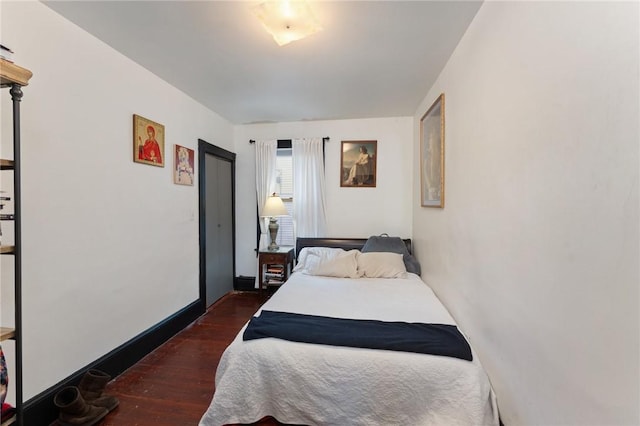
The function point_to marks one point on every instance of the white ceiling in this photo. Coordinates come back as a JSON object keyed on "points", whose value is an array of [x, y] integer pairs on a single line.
{"points": [[373, 58]]}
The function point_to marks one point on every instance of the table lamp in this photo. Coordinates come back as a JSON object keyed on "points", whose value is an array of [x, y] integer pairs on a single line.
{"points": [[272, 208]]}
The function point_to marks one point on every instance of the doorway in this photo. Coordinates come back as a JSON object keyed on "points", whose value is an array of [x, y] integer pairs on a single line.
{"points": [[217, 221]]}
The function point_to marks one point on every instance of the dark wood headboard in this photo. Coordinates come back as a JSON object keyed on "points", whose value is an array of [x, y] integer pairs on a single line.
{"points": [[343, 243]]}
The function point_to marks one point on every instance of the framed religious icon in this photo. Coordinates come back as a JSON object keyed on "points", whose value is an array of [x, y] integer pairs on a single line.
{"points": [[148, 141], [183, 160], [358, 164], [432, 155]]}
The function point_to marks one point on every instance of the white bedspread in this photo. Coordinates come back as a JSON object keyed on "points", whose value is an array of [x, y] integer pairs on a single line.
{"points": [[312, 384]]}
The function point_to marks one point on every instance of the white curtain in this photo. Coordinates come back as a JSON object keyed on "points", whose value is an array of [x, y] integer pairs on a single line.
{"points": [[309, 203], [266, 152]]}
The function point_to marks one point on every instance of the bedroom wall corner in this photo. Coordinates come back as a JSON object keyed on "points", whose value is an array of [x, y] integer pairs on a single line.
{"points": [[536, 252], [110, 247]]}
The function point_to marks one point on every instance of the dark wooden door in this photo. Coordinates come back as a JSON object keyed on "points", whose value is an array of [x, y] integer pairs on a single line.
{"points": [[217, 224]]}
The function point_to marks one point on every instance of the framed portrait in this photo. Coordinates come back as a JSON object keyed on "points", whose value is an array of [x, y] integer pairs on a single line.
{"points": [[183, 160], [358, 164], [432, 155], [148, 141]]}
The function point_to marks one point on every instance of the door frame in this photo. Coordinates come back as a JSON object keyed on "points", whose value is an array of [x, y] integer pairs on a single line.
{"points": [[204, 148]]}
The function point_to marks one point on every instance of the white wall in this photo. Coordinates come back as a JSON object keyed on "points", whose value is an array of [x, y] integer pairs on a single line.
{"points": [[351, 212], [110, 247], [536, 251]]}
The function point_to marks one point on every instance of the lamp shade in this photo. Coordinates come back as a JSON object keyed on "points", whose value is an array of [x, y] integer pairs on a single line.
{"points": [[286, 20], [274, 207]]}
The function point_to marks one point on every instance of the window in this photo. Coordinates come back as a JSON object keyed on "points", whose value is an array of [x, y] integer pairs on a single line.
{"points": [[284, 188]]}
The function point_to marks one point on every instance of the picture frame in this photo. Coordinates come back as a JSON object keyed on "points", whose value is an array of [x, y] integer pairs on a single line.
{"points": [[432, 155], [148, 141], [183, 165], [358, 164]]}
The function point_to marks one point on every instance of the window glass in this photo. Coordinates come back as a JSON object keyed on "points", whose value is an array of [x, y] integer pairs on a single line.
{"points": [[284, 188]]}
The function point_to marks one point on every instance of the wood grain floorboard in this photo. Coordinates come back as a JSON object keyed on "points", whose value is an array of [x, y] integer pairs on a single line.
{"points": [[173, 385]]}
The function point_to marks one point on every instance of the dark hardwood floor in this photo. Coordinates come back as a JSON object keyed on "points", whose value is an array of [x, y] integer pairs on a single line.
{"points": [[173, 385]]}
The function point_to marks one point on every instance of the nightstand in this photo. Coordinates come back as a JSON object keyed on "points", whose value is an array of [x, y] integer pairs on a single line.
{"points": [[275, 266]]}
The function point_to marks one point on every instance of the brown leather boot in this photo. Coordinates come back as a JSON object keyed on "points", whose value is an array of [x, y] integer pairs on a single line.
{"points": [[74, 411], [92, 386]]}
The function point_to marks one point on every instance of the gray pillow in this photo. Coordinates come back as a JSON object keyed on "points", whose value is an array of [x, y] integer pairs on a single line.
{"points": [[393, 245]]}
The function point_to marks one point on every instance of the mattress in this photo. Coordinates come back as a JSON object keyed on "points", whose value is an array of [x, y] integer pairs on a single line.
{"points": [[313, 384]]}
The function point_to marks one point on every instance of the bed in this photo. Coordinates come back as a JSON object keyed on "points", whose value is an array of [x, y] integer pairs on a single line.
{"points": [[298, 382]]}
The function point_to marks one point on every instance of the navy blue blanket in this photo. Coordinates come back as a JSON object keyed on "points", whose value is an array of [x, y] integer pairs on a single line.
{"points": [[433, 339]]}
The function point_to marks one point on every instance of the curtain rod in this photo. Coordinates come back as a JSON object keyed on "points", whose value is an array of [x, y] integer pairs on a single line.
{"points": [[325, 139]]}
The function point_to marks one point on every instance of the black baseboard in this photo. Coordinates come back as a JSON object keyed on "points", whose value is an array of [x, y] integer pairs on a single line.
{"points": [[40, 409], [244, 283]]}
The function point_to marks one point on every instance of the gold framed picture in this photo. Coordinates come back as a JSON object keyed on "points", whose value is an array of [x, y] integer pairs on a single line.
{"points": [[148, 141], [358, 164], [432, 155], [183, 160]]}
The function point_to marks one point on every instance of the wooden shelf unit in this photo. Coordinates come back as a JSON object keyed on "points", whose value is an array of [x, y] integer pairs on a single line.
{"points": [[11, 73], [14, 78], [6, 164], [7, 249], [275, 266], [7, 333], [8, 422]]}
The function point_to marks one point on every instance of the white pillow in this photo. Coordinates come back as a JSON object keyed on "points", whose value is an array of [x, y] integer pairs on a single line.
{"points": [[344, 265], [310, 257], [381, 265]]}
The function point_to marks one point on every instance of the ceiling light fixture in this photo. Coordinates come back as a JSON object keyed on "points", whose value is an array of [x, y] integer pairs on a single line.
{"points": [[287, 21]]}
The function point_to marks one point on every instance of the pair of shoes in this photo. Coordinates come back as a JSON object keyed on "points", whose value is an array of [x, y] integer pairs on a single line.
{"points": [[85, 405]]}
